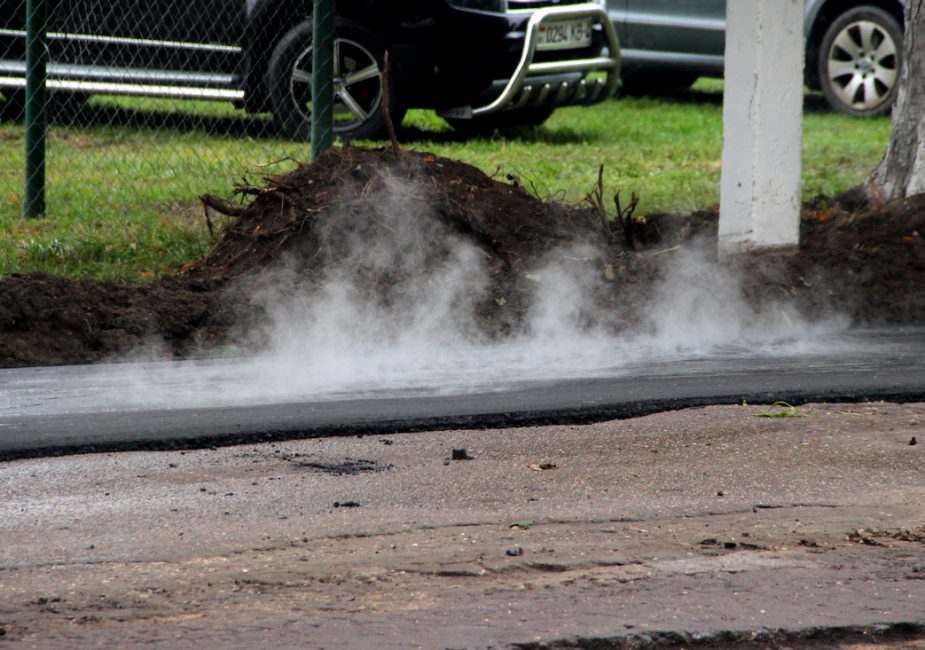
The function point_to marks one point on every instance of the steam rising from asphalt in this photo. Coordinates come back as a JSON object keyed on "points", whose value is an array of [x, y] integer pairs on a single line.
{"points": [[699, 308], [340, 339]]}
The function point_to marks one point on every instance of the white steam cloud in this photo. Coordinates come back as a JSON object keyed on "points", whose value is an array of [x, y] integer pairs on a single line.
{"points": [[700, 308], [341, 339]]}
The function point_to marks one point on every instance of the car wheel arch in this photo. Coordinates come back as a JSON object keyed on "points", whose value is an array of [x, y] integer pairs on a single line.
{"points": [[859, 58], [822, 14], [268, 22], [359, 94]]}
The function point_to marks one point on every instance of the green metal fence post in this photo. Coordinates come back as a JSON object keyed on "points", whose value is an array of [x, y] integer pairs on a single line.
{"points": [[322, 76], [36, 114]]}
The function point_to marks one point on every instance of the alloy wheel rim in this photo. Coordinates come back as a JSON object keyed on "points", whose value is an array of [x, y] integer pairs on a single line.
{"points": [[862, 65], [357, 85]]}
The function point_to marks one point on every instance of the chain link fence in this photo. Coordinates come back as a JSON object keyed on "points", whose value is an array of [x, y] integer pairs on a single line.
{"points": [[152, 103]]}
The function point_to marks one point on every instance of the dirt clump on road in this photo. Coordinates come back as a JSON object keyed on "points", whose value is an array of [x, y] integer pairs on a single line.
{"points": [[388, 221]]}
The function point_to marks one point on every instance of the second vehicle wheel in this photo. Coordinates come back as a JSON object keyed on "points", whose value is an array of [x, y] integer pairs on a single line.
{"points": [[358, 97], [860, 57]]}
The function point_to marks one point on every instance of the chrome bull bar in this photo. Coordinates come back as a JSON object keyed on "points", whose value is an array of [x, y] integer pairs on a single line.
{"points": [[520, 94]]}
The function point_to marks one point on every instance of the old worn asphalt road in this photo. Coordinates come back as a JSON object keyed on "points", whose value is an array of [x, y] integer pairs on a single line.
{"points": [[701, 525]]}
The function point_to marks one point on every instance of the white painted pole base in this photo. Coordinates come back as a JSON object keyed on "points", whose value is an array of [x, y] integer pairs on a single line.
{"points": [[762, 127]]}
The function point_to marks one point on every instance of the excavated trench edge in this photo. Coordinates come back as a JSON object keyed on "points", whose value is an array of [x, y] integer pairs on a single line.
{"points": [[486, 421], [796, 639]]}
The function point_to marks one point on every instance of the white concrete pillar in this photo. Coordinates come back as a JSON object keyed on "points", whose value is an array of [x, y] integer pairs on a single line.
{"points": [[762, 126]]}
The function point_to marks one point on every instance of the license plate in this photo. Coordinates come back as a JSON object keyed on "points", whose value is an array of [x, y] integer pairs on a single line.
{"points": [[564, 34]]}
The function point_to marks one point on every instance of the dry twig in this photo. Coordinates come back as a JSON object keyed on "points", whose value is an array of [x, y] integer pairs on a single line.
{"points": [[596, 199], [625, 217], [221, 206], [386, 105]]}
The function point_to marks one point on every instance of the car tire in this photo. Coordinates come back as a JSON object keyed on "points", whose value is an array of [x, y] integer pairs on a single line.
{"points": [[505, 121], [654, 83], [860, 57], [66, 107], [359, 61], [13, 105], [59, 106]]}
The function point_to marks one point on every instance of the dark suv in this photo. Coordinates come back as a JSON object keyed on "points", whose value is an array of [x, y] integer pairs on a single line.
{"points": [[479, 63]]}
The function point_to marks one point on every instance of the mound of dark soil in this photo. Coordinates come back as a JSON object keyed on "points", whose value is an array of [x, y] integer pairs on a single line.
{"points": [[355, 207]]}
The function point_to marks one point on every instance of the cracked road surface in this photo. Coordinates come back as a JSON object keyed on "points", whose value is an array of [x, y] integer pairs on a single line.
{"points": [[702, 523]]}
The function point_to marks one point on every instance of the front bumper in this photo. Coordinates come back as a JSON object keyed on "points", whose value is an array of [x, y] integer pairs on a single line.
{"points": [[556, 82]]}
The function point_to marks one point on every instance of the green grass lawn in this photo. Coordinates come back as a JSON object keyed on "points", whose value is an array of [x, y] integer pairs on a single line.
{"points": [[123, 185]]}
